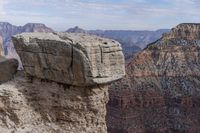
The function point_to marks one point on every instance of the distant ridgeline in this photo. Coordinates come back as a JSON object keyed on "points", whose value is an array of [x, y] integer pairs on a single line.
{"points": [[132, 41]]}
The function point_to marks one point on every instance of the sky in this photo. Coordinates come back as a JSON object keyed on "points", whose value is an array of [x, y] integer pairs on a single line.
{"points": [[101, 14]]}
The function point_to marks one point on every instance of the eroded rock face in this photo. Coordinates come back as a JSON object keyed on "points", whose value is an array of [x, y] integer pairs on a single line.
{"points": [[67, 86], [76, 59], [47, 107], [8, 68], [161, 90], [189, 31]]}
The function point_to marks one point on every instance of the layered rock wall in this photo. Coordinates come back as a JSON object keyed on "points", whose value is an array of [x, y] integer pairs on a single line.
{"points": [[188, 31], [41, 107], [161, 90]]}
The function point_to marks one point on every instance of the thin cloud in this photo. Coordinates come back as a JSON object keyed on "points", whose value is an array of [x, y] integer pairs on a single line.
{"points": [[101, 14], [2, 2]]}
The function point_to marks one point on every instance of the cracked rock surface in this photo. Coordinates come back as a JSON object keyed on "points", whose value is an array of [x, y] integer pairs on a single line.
{"points": [[65, 86], [38, 106], [70, 58]]}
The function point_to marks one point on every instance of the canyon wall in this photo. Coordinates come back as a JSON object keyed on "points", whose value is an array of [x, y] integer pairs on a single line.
{"points": [[161, 90]]}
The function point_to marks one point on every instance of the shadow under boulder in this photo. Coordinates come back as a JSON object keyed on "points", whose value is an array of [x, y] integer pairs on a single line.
{"points": [[8, 67]]}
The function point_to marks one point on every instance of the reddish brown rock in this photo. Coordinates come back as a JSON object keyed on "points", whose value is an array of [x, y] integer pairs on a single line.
{"points": [[184, 31], [161, 90]]}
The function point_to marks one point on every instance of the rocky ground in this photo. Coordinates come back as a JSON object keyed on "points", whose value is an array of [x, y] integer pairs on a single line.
{"points": [[47, 107]]}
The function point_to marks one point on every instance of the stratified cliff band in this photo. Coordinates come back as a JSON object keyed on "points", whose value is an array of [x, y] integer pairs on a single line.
{"points": [[160, 93]]}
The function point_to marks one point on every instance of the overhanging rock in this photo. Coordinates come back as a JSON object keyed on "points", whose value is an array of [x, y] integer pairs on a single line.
{"points": [[75, 59], [83, 64]]}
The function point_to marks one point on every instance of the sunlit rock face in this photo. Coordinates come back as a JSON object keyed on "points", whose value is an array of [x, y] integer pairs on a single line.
{"points": [[189, 31], [64, 85], [161, 90], [76, 59]]}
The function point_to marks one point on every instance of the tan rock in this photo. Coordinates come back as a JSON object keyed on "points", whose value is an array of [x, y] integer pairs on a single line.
{"points": [[81, 68], [68, 58], [44, 107]]}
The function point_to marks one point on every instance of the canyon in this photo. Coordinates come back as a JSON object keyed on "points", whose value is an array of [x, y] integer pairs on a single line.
{"points": [[160, 92], [69, 78]]}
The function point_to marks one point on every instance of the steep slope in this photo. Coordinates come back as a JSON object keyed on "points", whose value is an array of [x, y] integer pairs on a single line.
{"points": [[132, 41], [161, 90]]}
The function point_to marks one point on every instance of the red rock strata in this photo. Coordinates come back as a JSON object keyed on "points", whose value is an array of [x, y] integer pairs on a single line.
{"points": [[160, 93]]}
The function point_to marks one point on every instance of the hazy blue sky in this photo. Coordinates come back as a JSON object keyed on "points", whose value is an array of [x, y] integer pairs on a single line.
{"points": [[101, 14]]}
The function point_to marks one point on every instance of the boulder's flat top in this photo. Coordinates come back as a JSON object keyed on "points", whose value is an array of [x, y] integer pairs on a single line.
{"points": [[70, 58], [46, 36], [80, 38]]}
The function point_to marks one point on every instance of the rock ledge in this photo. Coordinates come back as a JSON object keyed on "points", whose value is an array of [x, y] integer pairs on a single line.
{"points": [[75, 59]]}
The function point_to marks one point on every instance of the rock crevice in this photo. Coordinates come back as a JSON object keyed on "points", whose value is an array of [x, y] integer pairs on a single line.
{"points": [[88, 57]]}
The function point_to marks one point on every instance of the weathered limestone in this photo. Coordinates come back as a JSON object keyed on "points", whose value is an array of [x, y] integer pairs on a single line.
{"points": [[44, 107], [8, 68], [81, 68], [76, 59]]}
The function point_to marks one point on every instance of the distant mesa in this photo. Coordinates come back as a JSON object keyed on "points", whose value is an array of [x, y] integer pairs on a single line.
{"points": [[36, 27], [76, 29], [189, 31]]}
